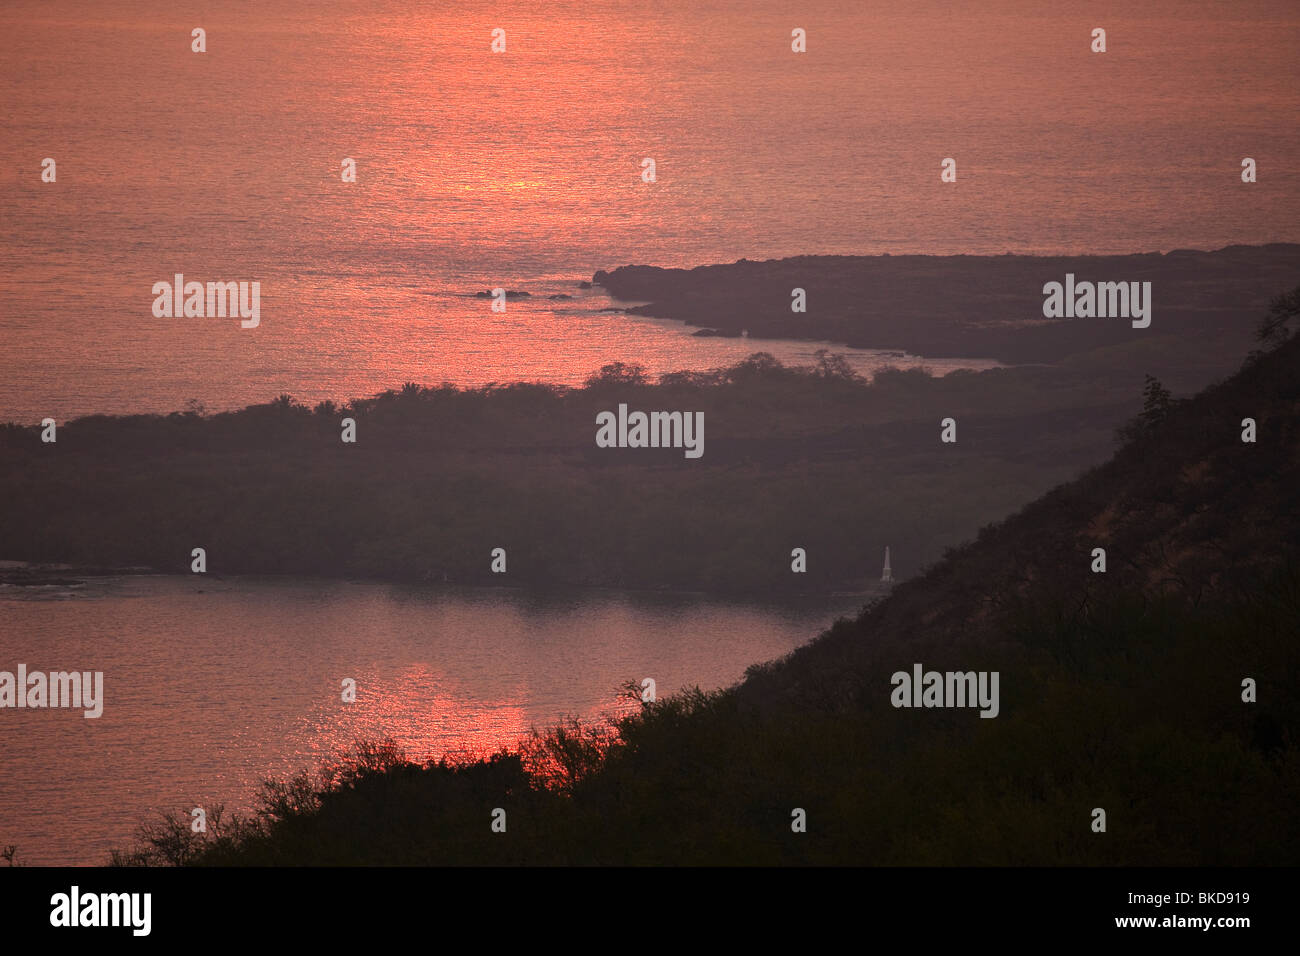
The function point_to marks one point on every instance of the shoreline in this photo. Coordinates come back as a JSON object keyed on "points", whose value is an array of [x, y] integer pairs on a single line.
{"points": [[954, 306], [25, 574]]}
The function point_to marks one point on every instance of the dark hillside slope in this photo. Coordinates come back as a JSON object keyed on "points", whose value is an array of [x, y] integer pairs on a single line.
{"points": [[1185, 510], [1119, 692]]}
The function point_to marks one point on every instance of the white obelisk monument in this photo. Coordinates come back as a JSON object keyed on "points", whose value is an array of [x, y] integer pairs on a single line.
{"points": [[887, 576]]}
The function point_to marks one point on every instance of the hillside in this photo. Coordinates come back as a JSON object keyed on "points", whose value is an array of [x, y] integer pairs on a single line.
{"points": [[1119, 691]]}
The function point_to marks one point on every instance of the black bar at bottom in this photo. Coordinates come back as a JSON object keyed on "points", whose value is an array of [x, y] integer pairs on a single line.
{"points": [[656, 907]]}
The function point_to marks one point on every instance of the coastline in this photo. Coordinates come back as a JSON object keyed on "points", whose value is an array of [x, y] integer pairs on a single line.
{"points": [[957, 305]]}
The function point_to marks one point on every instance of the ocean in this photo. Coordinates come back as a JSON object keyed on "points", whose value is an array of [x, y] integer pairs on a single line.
{"points": [[522, 170]]}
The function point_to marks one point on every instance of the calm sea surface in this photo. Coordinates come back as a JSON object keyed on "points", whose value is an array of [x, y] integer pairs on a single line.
{"points": [[210, 689], [521, 170]]}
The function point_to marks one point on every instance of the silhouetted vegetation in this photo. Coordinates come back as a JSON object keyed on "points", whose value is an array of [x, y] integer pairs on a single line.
{"points": [[1156, 403], [1120, 690], [794, 457], [1275, 327]]}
